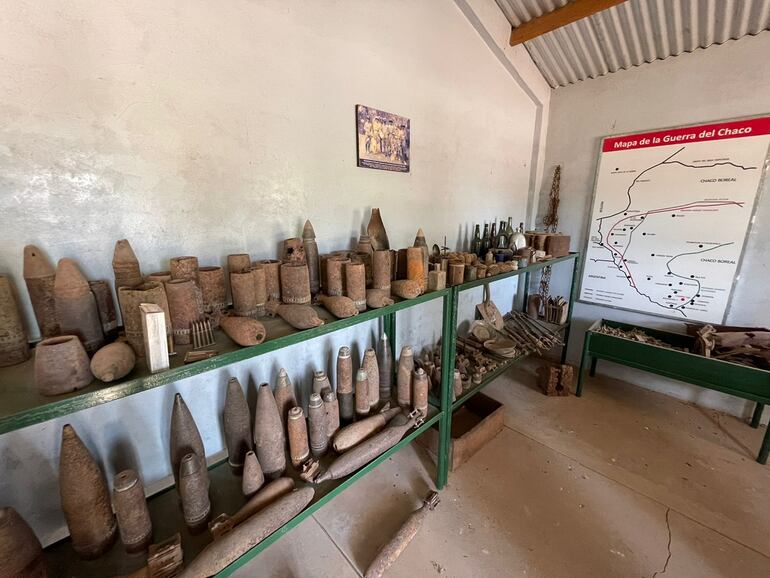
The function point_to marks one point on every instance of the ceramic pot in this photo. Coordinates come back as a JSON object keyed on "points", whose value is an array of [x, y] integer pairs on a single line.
{"points": [[61, 365]]}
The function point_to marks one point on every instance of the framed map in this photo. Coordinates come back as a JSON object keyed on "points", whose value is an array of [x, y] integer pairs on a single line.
{"points": [[671, 213], [382, 140]]}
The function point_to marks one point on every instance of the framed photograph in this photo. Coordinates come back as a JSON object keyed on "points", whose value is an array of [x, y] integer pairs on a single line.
{"points": [[382, 140]]}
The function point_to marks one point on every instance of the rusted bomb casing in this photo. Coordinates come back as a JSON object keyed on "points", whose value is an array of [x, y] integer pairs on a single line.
{"points": [[131, 511], [243, 285], [420, 388], [319, 440], [299, 448], [248, 534], [404, 377], [61, 365], [457, 384], [113, 361], [185, 268], [194, 491], [105, 306], [185, 305], [14, 347], [272, 269], [311, 256], [436, 280], [284, 394], [298, 316], [376, 298], [320, 381], [158, 277], [355, 283], [415, 270], [269, 438], [85, 499], [260, 288], [372, 369], [253, 476], [340, 306], [39, 276], [381, 269], [293, 251], [331, 404], [385, 366], [125, 265], [456, 273], [295, 283], [362, 393], [213, 292], [364, 244], [353, 434], [130, 298], [21, 554], [267, 495], [184, 438], [406, 288], [376, 231], [345, 391], [245, 331], [366, 259], [419, 241], [237, 420], [76, 306], [238, 263], [335, 275]]}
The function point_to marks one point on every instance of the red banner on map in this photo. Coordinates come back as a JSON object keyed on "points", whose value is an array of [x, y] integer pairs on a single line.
{"points": [[691, 134]]}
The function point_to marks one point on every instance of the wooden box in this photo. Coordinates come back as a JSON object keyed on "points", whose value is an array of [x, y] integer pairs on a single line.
{"points": [[474, 424], [557, 245]]}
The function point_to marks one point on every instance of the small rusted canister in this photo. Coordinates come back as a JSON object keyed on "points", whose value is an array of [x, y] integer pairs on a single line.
{"points": [[414, 264], [131, 510], [214, 293], [335, 275], [185, 304], [320, 381], [272, 269], [295, 283], [39, 276], [406, 288], [345, 394], [184, 268], [470, 273], [381, 270], [369, 364], [76, 306], [21, 554], [105, 305], [332, 407], [61, 365], [14, 347], [376, 298], [238, 263], [404, 377], [366, 259], [194, 491], [243, 286], [311, 257], [158, 277], [355, 283], [125, 265], [319, 440], [130, 298], [436, 280], [362, 393], [245, 331], [299, 450], [293, 251], [420, 391], [456, 273]]}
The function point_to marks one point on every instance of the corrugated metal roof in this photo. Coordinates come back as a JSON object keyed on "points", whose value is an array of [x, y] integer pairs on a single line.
{"points": [[632, 33]]}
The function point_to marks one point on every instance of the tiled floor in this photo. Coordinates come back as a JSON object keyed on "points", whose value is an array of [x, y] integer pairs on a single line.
{"points": [[622, 482]]}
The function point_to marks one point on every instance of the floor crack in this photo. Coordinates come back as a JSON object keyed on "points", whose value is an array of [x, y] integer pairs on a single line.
{"points": [[668, 558]]}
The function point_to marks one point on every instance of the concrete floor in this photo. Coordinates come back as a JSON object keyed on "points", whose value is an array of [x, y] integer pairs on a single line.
{"points": [[622, 482]]}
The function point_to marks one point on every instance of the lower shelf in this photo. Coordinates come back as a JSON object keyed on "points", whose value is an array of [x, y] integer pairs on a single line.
{"points": [[226, 496]]}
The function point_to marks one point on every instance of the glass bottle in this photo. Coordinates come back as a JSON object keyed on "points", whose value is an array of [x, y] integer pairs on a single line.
{"points": [[476, 242], [502, 239], [509, 229], [484, 241], [492, 235]]}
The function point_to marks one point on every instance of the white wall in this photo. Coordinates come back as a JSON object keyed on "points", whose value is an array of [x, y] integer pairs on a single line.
{"points": [[207, 129], [721, 82]]}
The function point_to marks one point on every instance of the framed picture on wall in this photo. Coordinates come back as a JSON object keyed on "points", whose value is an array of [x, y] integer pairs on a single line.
{"points": [[382, 140]]}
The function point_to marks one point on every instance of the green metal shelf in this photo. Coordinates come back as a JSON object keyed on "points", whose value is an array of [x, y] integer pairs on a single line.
{"points": [[516, 272], [488, 378]]}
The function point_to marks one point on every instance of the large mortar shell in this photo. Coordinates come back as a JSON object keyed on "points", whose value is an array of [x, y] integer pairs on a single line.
{"points": [[299, 448], [420, 387], [238, 263], [320, 381], [185, 268], [185, 304], [404, 377], [14, 347], [365, 452], [272, 269], [284, 394], [385, 366], [406, 288], [415, 270], [362, 393], [295, 283], [345, 391], [298, 316], [376, 298], [125, 265], [316, 414], [247, 534], [76, 306], [185, 437], [353, 434], [39, 275], [340, 306], [113, 361], [376, 231], [21, 554], [61, 365], [372, 369], [332, 406], [85, 499], [266, 495], [335, 274], [194, 491], [253, 476], [245, 331], [381, 269], [243, 285], [131, 511], [130, 298], [311, 256], [237, 425], [269, 437], [214, 292], [105, 305], [355, 283]]}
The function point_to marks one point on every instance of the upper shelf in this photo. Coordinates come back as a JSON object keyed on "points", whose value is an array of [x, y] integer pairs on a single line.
{"points": [[523, 270]]}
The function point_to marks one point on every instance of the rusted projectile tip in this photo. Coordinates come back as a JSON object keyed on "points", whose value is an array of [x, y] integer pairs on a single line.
{"points": [[69, 276], [283, 378], [361, 375], [307, 230], [344, 351], [322, 478], [68, 432], [124, 253], [190, 465], [36, 264]]}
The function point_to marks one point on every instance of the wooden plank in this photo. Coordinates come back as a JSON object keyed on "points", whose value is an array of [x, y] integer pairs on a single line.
{"points": [[567, 14]]}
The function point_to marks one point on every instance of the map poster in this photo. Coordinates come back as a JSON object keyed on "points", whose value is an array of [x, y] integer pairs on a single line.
{"points": [[670, 216], [382, 140]]}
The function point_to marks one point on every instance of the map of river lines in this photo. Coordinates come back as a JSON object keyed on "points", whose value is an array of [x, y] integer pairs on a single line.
{"points": [[670, 216]]}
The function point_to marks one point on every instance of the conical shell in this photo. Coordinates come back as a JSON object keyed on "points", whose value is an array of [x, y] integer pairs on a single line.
{"points": [[76, 306], [299, 448], [311, 256], [376, 298], [194, 490], [377, 233], [39, 276], [362, 393], [85, 499], [320, 381], [269, 438], [345, 391], [21, 554], [284, 394], [332, 412], [125, 265], [130, 298], [185, 437], [14, 347], [339, 306], [61, 365], [237, 424], [420, 391], [316, 416], [353, 434], [131, 511], [113, 361], [372, 369], [245, 331], [385, 365], [298, 316], [253, 476], [404, 377], [185, 268]]}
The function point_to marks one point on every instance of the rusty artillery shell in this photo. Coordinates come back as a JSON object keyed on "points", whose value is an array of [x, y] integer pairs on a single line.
{"points": [[39, 276], [365, 452], [247, 534], [370, 365], [272, 278], [295, 283], [404, 377], [131, 511], [332, 407], [362, 393], [298, 316], [113, 361], [406, 288], [125, 265], [339, 306], [420, 391], [293, 251], [253, 476], [357, 432], [284, 394], [260, 288], [21, 554], [269, 437], [335, 275], [185, 437], [130, 298], [419, 241], [76, 306], [106, 307], [376, 231], [213, 292], [158, 277], [14, 347], [194, 490], [311, 257], [320, 381], [237, 425], [61, 365], [456, 273], [376, 298], [316, 416], [299, 450], [385, 366], [457, 384], [185, 304], [185, 268], [381, 269], [355, 283], [85, 499], [345, 393], [365, 258], [238, 263], [245, 331], [243, 285], [415, 270], [264, 497], [436, 280]]}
